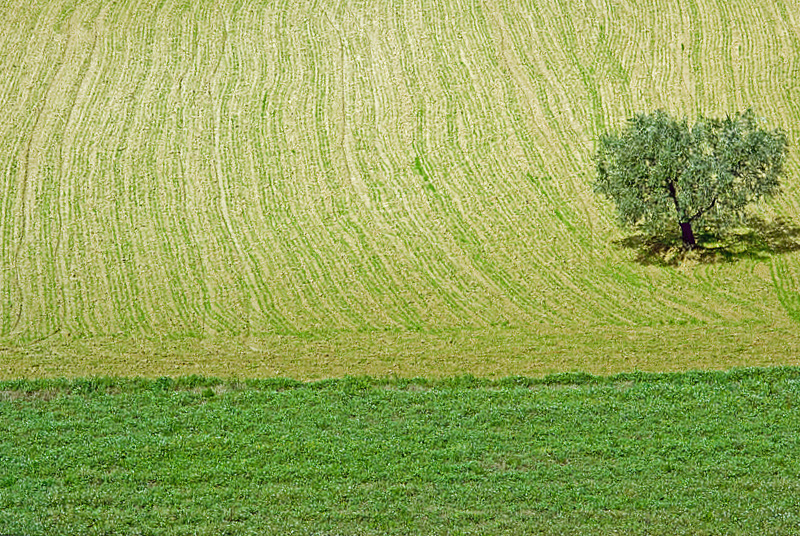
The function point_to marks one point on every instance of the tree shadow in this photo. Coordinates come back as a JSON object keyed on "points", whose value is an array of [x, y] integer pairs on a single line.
{"points": [[756, 239]]}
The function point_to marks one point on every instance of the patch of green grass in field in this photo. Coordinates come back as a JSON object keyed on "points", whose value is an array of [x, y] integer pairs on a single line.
{"points": [[692, 453]]}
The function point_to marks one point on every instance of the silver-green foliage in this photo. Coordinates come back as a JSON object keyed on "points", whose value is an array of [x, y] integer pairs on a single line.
{"points": [[659, 170]]}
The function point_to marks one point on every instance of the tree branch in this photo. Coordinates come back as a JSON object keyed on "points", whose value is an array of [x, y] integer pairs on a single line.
{"points": [[704, 210], [674, 195]]}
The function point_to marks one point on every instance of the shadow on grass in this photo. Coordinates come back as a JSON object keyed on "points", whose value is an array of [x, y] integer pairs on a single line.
{"points": [[757, 239]]}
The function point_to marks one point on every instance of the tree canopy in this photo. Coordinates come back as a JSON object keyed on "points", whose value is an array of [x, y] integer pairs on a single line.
{"points": [[660, 171]]}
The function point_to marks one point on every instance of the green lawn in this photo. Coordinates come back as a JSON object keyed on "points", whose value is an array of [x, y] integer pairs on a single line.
{"points": [[693, 453]]}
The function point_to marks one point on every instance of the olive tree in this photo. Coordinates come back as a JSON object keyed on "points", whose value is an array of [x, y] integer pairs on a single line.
{"points": [[660, 171]]}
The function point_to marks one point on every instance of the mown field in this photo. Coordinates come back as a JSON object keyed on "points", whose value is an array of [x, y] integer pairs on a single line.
{"points": [[318, 188], [636, 454]]}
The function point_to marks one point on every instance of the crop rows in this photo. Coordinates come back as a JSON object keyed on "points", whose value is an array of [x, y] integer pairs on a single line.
{"points": [[289, 167]]}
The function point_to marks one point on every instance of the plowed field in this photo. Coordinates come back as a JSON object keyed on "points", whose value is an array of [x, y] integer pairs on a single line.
{"points": [[386, 187]]}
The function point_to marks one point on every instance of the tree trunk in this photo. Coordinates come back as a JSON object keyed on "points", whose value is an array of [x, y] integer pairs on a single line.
{"points": [[687, 235]]}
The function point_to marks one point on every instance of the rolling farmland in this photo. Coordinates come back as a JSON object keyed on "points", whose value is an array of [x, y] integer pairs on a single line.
{"points": [[325, 188]]}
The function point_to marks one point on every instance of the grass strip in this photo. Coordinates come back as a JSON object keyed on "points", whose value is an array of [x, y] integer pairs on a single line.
{"points": [[640, 453]]}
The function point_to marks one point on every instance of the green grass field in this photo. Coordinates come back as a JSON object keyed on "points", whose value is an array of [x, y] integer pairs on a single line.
{"points": [[637, 454], [320, 188]]}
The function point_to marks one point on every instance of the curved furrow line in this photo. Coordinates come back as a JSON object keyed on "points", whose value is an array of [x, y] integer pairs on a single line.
{"points": [[18, 125], [557, 122], [483, 192], [685, 59], [272, 203], [14, 66], [343, 174], [629, 293], [677, 291], [70, 237], [398, 195], [273, 177], [130, 180], [206, 264], [307, 222], [461, 186], [660, 58], [787, 21], [82, 160], [367, 153], [534, 114], [480, 248], [228, 234], [781, 48], [305, 266], [292, 248], [235, 197], [189, 122], [694, 51], [41, 193], [559, 62], [512, 81], [613, 41], [181, 162], [786, 282], [107, 245], [731, 295], [520, 81], [162, 307], [93, 197], [442, 275], [232, 277], [411, 65], [172, 289], [715, 72], [748, 54], [637, 40], [724, 57], [752, 48], [29, 156], [454, 256], [9, 288], [236, 271], [182, 289], [245, 127], [625, 33], [584, 67]]}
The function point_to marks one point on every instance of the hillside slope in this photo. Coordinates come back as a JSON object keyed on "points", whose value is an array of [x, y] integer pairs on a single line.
{"points": [[246, 171]]}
